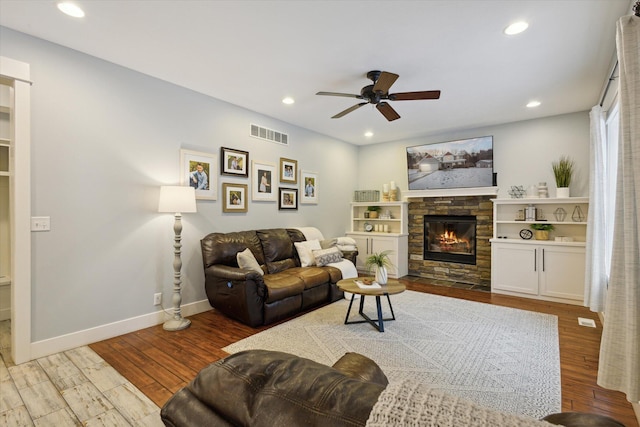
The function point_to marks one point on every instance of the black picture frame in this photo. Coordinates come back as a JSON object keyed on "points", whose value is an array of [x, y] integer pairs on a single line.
{"points": [[234, 162], [287, 198]]}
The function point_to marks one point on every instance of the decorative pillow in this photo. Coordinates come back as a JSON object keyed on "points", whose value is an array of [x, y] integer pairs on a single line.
{"points": [[327, 256], [248, 261], [305, 251], [328, 243]]}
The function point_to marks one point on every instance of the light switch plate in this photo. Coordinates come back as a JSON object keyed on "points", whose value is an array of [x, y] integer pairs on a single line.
{"points": [[40, 223]]}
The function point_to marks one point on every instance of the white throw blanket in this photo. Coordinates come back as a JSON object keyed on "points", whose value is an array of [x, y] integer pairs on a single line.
{"points": [[411, 403], [343, 243]]}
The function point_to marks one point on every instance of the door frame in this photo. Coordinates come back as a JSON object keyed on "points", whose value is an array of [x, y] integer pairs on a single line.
{"points": [[20, 207]]}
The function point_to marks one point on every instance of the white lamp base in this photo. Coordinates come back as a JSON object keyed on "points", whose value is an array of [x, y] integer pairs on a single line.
{"points": [[176, 324]]}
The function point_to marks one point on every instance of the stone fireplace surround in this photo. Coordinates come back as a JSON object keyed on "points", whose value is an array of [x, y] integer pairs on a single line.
{"points": [[477, 205]]}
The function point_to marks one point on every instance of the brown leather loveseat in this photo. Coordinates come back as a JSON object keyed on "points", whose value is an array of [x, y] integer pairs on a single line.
{"points": [[277, 287]]}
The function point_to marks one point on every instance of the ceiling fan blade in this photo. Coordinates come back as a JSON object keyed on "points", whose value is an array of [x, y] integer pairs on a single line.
{"points": [[384, 82], [348, 110], [347, 95], [411, 96], [388, 111]]}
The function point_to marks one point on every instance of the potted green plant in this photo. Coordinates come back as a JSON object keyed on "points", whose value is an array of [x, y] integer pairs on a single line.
{"points": [[542, 230], [563, 172], [379, 261], [373, 211]]}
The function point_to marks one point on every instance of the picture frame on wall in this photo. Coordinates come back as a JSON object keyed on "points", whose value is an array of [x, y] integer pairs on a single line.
{"points": [[287, 198], [308, 187], [234, 197], [198, 170], [288, 171], [234, 162], [263, 176]]}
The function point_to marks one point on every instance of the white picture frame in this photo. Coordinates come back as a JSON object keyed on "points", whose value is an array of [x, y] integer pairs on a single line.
{"points": [[263, 177], [193, 164], [308, 187]]}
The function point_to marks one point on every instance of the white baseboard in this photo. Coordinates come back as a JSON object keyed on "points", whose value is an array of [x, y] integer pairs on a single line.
{"points": [[88, 336]]}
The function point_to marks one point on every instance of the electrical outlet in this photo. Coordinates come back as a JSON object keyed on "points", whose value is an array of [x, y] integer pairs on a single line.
{"points": [[157, 299]]}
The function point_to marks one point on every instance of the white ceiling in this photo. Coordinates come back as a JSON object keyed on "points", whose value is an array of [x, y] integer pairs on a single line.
{"points": [[253, 53]]}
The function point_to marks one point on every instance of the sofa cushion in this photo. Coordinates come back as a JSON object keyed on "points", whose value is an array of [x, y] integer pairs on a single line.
{"points": [[310, 276], [248, 261], [305, 252], [222, 248], [327, 256], [278, 249], [282, 285]]}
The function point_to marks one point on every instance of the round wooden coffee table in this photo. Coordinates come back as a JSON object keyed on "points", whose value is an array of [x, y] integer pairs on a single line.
{"points": [[392, 287]]}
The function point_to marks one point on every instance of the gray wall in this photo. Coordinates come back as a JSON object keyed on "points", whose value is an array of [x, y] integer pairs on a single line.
{"points": [[104, 138], [523, 153]]}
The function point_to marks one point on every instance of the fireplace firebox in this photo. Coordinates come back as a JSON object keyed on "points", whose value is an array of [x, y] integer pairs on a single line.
{"points": [[450, 238]]}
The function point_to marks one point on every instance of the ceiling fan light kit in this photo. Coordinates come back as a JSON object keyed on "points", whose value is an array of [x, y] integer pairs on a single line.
{"points": [[378, 93]]}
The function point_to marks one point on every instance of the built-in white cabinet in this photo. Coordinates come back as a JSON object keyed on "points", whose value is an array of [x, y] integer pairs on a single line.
{"points": [[549, 272], [387, 232], [551, 269]]}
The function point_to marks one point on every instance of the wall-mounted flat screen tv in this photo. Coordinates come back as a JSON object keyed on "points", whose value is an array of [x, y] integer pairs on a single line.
{"points": [[453, 164]]}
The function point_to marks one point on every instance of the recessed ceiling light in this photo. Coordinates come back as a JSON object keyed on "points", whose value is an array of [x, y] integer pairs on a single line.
{"points": [[516, 28], [533, 104], [368, 134], [288, 100], [71, 9]]}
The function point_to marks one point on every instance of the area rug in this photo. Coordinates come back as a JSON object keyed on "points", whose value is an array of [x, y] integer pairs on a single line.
{"points": [[503, 358]]}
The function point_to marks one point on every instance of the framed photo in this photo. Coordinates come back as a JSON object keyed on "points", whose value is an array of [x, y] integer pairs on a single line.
{"points": [[309, 183], [288, 171], [288, 198], [234, 162], [234, 197], [198, 170], [263, 175]]}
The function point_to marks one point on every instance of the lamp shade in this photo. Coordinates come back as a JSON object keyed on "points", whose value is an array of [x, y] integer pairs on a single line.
{"points": [[177, 199]]}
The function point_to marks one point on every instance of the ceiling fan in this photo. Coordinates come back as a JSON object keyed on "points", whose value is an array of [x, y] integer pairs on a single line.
{"points": [[378, 93]]}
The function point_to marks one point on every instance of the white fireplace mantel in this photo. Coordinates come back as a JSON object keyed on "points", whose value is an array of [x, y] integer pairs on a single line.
{"points": [[451, 192]]}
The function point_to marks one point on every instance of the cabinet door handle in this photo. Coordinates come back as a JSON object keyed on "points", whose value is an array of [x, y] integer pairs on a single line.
{"points": [[543, 260], [535, 260]]}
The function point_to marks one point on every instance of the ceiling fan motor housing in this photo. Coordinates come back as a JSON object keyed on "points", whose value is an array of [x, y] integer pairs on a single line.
{"points": [[368, 93]]}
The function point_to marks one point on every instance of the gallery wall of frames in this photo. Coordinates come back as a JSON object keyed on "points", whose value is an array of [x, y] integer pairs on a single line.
{"points": [[275, 180]]}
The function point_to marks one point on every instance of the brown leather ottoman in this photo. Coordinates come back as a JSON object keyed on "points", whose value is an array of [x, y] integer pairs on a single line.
{"points": [[581, 419]]}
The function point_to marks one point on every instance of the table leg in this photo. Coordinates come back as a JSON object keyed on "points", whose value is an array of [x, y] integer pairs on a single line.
{"points": [[346, 319], [379, 325]]}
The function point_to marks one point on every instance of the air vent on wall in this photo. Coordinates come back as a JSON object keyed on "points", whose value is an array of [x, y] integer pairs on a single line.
{"points": [[269, 135]]}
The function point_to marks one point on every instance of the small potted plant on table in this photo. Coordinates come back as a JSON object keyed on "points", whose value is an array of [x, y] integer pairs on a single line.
{"points": [[542, 230], [380, 261]]}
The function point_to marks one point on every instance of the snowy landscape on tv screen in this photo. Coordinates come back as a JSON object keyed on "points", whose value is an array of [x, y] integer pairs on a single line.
{"points": [[453, 164]]}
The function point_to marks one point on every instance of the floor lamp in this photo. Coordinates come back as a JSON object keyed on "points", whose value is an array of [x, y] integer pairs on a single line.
{"points": [[178, 200]]}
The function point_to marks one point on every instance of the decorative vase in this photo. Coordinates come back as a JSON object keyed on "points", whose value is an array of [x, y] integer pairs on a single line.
{"points": [[381, 275], [562, 192], [373, 214], [542, 234]]}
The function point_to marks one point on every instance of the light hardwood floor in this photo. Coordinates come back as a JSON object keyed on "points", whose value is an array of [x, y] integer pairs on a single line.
{"points": [[159, 363]]}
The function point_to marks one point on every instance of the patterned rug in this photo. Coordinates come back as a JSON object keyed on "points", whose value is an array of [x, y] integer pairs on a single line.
{"points": [[500, 357]]}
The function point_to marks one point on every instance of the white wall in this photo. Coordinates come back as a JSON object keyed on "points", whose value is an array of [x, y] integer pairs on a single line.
{"points": [[104, 138], [523, 153]]}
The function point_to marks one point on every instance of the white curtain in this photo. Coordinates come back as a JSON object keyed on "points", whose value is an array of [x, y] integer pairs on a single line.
{"points": [[596, 274], [620, 347]]}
